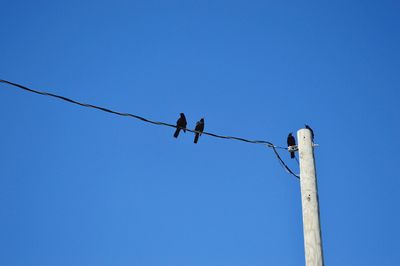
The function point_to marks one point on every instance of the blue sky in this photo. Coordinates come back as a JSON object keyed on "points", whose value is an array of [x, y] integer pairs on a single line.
{"points": [[83, 187]]}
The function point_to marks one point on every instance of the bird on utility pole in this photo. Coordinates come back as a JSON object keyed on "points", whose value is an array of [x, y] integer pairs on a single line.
{"points": [[180, 124], [291, 141], [312, 132], [199, 128]]}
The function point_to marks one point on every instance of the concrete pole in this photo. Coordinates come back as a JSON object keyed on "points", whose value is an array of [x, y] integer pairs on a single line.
{"points": [[309, 200]]}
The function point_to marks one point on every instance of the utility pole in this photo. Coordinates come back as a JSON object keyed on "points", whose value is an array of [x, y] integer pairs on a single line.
{"points": [[309, 200]]}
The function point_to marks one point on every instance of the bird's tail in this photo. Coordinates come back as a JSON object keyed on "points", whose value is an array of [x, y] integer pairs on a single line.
{"points": [[292, 154], [196, 138], [176, 134]]}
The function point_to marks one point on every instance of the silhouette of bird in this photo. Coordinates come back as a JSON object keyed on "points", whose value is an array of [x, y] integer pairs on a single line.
{"points": [[312, 132], [291, 141], [199, 127], [180, 124]]}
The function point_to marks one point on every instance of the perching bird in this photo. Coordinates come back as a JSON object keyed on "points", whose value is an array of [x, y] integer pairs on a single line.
{"points": [[291, 141], [180, 124], [199, 127], [312, 132]]}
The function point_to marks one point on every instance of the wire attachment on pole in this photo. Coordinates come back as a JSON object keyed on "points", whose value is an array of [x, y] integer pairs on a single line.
{"points": [[293, 148]]}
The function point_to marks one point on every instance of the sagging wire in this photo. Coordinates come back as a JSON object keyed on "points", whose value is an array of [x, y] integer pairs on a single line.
{"points": [[263, 142]]}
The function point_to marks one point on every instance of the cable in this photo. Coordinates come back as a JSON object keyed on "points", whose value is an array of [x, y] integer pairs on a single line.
{"points": [[297, 160], [284, 164], [267, 143]]}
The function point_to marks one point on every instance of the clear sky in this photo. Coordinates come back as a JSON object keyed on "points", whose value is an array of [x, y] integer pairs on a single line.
{"points": [[83, 187]]}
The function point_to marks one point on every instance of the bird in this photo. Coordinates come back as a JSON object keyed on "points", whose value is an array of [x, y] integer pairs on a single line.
{"points": [[291, 141], [180, 124], [312, 132], [199, 128]]}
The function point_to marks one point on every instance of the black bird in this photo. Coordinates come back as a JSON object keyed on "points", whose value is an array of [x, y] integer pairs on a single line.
{"points": [[291, 141], [180, 124], [199, 127], [312, 132]]}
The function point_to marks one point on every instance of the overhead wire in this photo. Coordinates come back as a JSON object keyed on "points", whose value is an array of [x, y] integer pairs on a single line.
{"points": [[284, 165], [263, 142], [297, 160]]}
